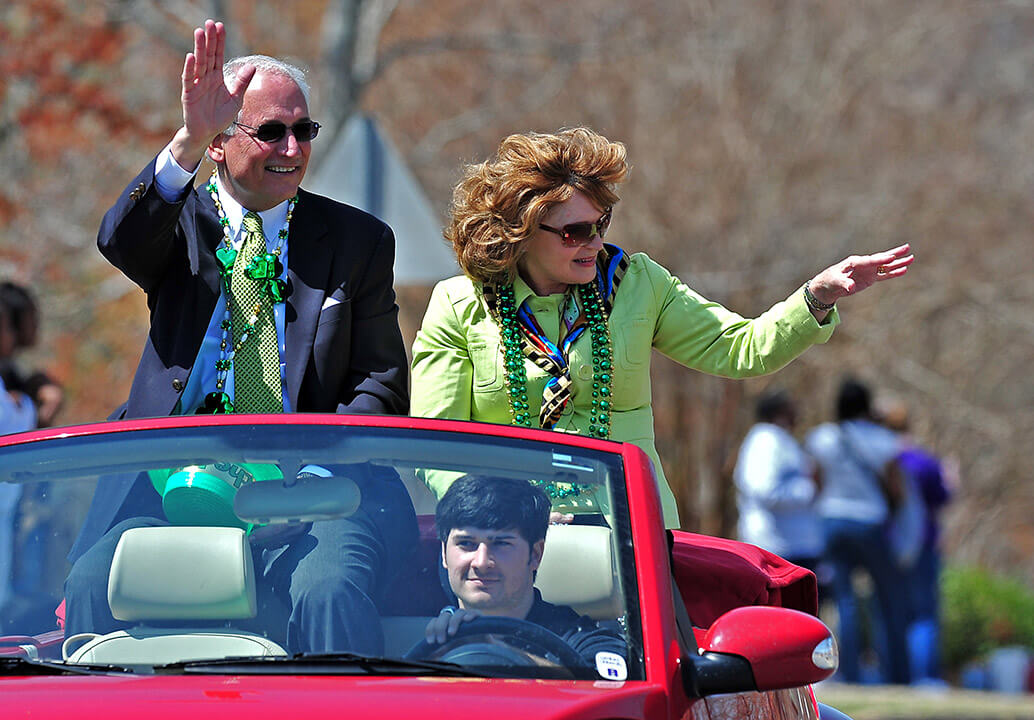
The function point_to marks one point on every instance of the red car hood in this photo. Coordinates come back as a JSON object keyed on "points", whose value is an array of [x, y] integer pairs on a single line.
{"points": [[309, 698]]}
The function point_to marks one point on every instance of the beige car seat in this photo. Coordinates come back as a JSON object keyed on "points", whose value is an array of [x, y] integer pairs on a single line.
{"points": [[578, 569], [182, 574]]}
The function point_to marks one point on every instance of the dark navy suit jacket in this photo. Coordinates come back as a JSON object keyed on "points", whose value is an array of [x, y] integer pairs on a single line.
{"points": [[344, 348]]}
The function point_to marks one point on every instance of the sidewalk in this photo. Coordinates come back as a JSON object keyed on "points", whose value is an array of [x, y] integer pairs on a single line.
{"points": [[890, 702]]}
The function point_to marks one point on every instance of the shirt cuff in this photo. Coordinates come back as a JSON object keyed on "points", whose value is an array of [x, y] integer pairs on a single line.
{"points": [[170, 179]]}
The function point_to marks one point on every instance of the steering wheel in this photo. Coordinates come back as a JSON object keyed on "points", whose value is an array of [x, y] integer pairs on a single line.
{"points": [[494, 641]]}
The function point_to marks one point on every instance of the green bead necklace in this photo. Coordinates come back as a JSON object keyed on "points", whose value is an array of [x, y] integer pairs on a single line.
{"points": [[602, 362], [264, 266], [516, 376]]}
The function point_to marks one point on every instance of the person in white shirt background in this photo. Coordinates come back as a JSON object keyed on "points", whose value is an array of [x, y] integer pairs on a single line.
{"points": [[777, 486]]}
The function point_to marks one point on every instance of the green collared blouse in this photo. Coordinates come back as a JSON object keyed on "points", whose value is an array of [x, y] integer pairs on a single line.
{"points": [[458, 368]]}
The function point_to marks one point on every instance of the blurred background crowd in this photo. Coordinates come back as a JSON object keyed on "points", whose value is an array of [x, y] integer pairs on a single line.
{"points": [[859, 503]]}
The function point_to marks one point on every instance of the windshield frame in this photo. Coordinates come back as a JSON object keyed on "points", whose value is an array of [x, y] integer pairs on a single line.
{"points": [[54, 454]]}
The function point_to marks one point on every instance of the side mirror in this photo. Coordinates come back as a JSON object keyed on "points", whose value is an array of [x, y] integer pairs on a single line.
{"points": [[761, 648]]}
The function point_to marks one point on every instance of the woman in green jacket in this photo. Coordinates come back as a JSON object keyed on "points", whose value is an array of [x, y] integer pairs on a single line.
{"points": [[550, 327]]}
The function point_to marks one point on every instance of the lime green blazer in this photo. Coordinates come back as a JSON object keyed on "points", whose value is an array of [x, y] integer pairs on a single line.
{"points": [[458, 369]]}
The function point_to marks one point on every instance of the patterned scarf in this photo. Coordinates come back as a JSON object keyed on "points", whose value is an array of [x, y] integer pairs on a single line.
{"points": [[611, 265]]}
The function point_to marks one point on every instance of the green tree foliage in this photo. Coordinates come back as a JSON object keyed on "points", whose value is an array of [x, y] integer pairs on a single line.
{"points": [[981, 611]]}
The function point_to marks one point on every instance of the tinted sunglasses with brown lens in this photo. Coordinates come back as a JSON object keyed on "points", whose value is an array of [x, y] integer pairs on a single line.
{"points": [[271, 132], [580, 233]]}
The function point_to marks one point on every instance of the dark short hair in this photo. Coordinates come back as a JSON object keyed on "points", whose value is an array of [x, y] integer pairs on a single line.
{"points": [[854, 400], [19, 303], [773, 404], [494, 503]]}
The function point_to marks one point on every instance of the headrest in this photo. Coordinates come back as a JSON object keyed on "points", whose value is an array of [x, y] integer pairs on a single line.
{"points": [[182, 573], [578, 570]]}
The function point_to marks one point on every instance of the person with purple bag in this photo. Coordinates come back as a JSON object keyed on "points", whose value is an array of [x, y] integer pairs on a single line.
{"points": [[929, 479]]}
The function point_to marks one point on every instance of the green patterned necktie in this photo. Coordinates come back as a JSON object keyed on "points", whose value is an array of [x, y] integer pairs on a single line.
{"points": [[256, 363]]}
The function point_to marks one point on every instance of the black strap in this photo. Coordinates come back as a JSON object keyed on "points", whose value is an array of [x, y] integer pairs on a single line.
{"points": [[705, 673], [856, 456], [682, 619]]}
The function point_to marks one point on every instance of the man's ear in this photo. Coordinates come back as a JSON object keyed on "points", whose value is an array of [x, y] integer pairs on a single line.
{"points": [[443, 557], [536, 554], [216, 153]]}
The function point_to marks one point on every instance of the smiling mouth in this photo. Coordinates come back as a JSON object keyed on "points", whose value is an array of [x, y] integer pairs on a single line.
{"points": [[483, 581], [281, 169]]}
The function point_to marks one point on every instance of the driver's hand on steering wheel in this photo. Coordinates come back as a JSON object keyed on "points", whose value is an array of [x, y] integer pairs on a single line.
{"points": [[448, 624]]}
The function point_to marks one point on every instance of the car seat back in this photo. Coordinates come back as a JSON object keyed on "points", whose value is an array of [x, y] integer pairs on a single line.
{"points": [[578, 569], [177, 573]]}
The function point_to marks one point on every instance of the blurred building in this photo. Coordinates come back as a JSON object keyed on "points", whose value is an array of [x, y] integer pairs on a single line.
{"points": [[363, 169]]}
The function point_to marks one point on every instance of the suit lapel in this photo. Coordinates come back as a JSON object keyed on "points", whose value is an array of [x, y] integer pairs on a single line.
{"points": [[309, 263], [209, 234], [203, 234]]}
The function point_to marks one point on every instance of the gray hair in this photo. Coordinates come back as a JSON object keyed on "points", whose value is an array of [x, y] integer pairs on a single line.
{"points": [[270, 66]]}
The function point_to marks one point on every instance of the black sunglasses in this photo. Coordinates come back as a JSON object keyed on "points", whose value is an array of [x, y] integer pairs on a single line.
{"points": [[271, 132], [581, 233]]}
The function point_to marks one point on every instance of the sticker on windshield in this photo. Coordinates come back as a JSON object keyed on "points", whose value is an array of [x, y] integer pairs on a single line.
{"points": [[611, 666]]}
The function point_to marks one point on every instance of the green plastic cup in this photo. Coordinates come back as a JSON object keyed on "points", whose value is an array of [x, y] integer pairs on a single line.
{"points": [[203, 494]]}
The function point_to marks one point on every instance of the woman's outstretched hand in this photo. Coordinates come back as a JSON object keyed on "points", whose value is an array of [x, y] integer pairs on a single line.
{"points": [[854, 274]]}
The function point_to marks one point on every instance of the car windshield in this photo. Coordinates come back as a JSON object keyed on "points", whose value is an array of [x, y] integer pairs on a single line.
{"points": [[302, 546]]}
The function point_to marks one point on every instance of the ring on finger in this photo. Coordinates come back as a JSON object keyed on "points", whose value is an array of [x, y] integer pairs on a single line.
{"points": [[881, 270]]}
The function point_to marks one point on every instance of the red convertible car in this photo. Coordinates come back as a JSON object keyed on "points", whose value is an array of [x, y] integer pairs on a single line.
{"points": [[694, 627]]}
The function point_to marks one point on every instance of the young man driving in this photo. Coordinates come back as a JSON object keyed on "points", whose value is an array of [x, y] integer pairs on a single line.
{"points": [[493, 532]]}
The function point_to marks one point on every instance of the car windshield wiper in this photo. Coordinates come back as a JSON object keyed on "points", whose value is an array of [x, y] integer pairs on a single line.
{"points": [[10, 666], [318, 664]]}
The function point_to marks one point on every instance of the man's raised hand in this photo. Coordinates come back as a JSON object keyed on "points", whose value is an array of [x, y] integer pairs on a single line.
{"points": [[210, 104]]}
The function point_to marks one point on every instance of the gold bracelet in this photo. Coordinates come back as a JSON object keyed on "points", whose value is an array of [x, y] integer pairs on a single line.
{"points": [[813, 302]]}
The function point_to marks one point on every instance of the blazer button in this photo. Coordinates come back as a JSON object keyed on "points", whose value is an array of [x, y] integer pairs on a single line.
{"points": [[585, 372], [177, 385]]}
